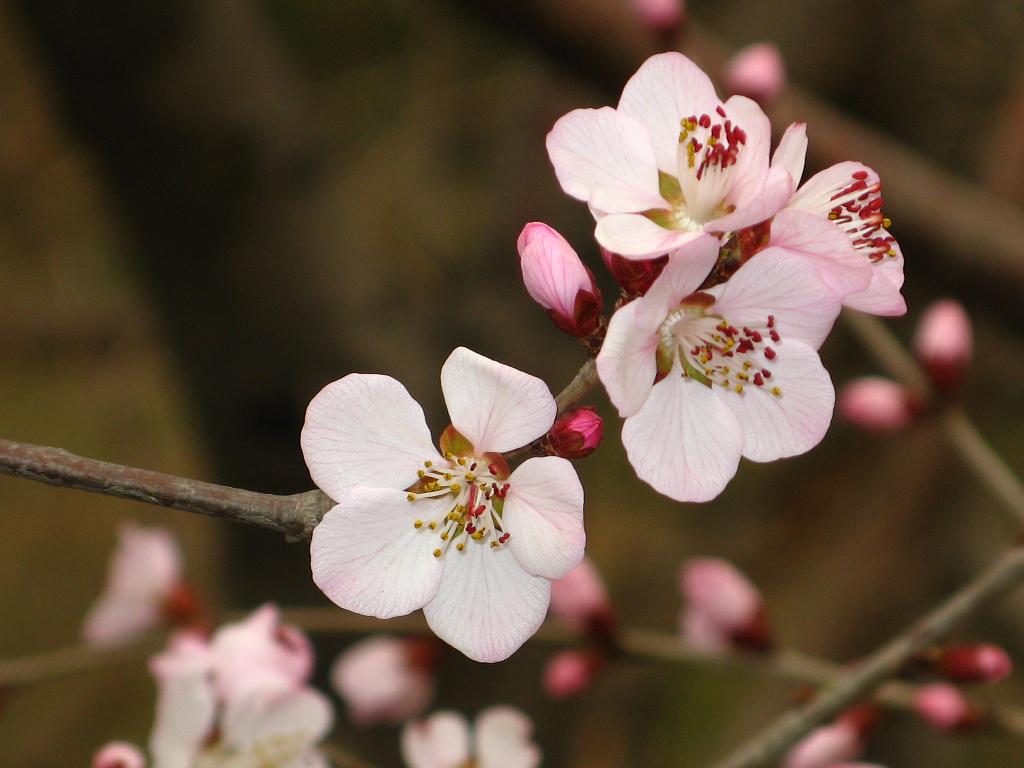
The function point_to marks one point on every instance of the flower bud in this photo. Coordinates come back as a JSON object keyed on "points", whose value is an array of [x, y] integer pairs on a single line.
{"points": [[661, 15], [557, 280], [634, 276], [570, 672], [575, 434], [580, 599], [942, 706], [980, 663], [943, 343], [723, 611], [876, 405], [826, 746], [758, 72], [118, 754]]}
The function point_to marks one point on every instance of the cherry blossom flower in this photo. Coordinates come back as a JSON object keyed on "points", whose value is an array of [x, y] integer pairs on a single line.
{"points": [[118, 754], [876, 404], [705, 377], [580, 598], [943, 342], [661, 15], [569, 672], [849, 195], [757, 71], [500, 738], [825, 746], [383, 680], [671, 163], [145, 574], [451, 532], [942, 706], [723, 610], [575, 434]]}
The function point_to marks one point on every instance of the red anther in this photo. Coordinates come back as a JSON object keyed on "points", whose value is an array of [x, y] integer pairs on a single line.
{"points": [[757, 337], [769, 353], [472, 467], [479, 510], [860, 175], [771, 321], [716, 131], [758, 380], [720, 110], [774, 335], [503, 538], [491, 469], [767, 373], [747, 332], [705, 121], [470, 528]]}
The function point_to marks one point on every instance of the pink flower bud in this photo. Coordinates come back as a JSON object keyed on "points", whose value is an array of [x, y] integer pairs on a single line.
{"points": [[943, 343], [876, 404], [723, 609], [570, 672], [384, 680], [758, 72], [576, 434], [557, 280], [118, 754], [981, 663], [661, 15], [634, 276], [825, 747], [942, 706], [580, 599]]}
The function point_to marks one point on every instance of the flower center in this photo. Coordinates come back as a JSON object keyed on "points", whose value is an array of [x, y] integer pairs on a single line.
{"points": [[477, 501], [713, 351], [269, 752], [857, 210]]}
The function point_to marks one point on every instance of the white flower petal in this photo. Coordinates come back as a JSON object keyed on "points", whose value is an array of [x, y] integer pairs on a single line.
{"points": [[503, 739], [605, 158], [626, 363], [185, 705], [667, 88], [364, 429], [291, 719], [882, 296], [495, 406], [805, 234], [792, 151], [439, 741], [543, 516], [487, 606], [637, 237], [751, 166], [367, 557], [684, 442], [775, 189], [793, 423]]}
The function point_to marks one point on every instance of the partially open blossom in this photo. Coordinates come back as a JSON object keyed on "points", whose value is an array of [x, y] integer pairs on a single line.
{"points": [[944, 341], [723, 611], [756, 71], [575, 434], [383, 680], [876, 404], [580, 598], [705, 377], [671, 163], [145, 574], [556, 279], [500, 738], [661, 15], [825, 746], [942, 706], [451, 532], [118, 754], [979, 663], [570, 672]]}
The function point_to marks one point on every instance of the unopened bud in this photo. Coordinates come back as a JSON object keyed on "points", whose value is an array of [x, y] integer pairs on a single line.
{"points": [[758, 72], [942, 706], [981, 663], [385, 679], [635, 276], [661, 15], [580, 599], [570, 672], [118, 754], [576, 434], [876, 405], [943, 343], [825, 746], [723, 611], [556, 279]]}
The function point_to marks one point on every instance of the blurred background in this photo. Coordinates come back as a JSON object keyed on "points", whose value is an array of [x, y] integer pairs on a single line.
{"points": [[211, 208]]}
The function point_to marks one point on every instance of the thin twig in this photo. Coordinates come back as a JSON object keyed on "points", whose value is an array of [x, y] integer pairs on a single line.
{"points": [[68, 661]]}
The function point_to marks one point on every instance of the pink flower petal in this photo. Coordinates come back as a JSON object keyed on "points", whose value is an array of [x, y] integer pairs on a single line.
{"points": [[626, 363], [368, 557], [544, 516], [119, 754], [827, 247], [605, 158], [365, 429], [757, 206], [685, 442], [637, 237], [751, 168], [502, 736], [580, 596], [439, 741], [757, 71], [185, 705], [487, 606], [876, 404], [792, 151], [882, 296], [702, 632], [824, 747], [292, 720], [552, 271], [718, 589], [495, 406], [380, 684], [667, 88]]}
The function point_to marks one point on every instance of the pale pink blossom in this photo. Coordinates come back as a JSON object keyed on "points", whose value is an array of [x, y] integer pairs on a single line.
{"points": [[575, 434], [145, 571], [671, 164], [942, 706], [570, 672], [580, 598], [979, 663], [661, 15], [826, 746], [500, 738], [705, 377], [451, 534], [556, 279], [118, 754], [383, 680], [944, 341], [757, 71], [849, 195], [876, 404], [722, 609]]}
